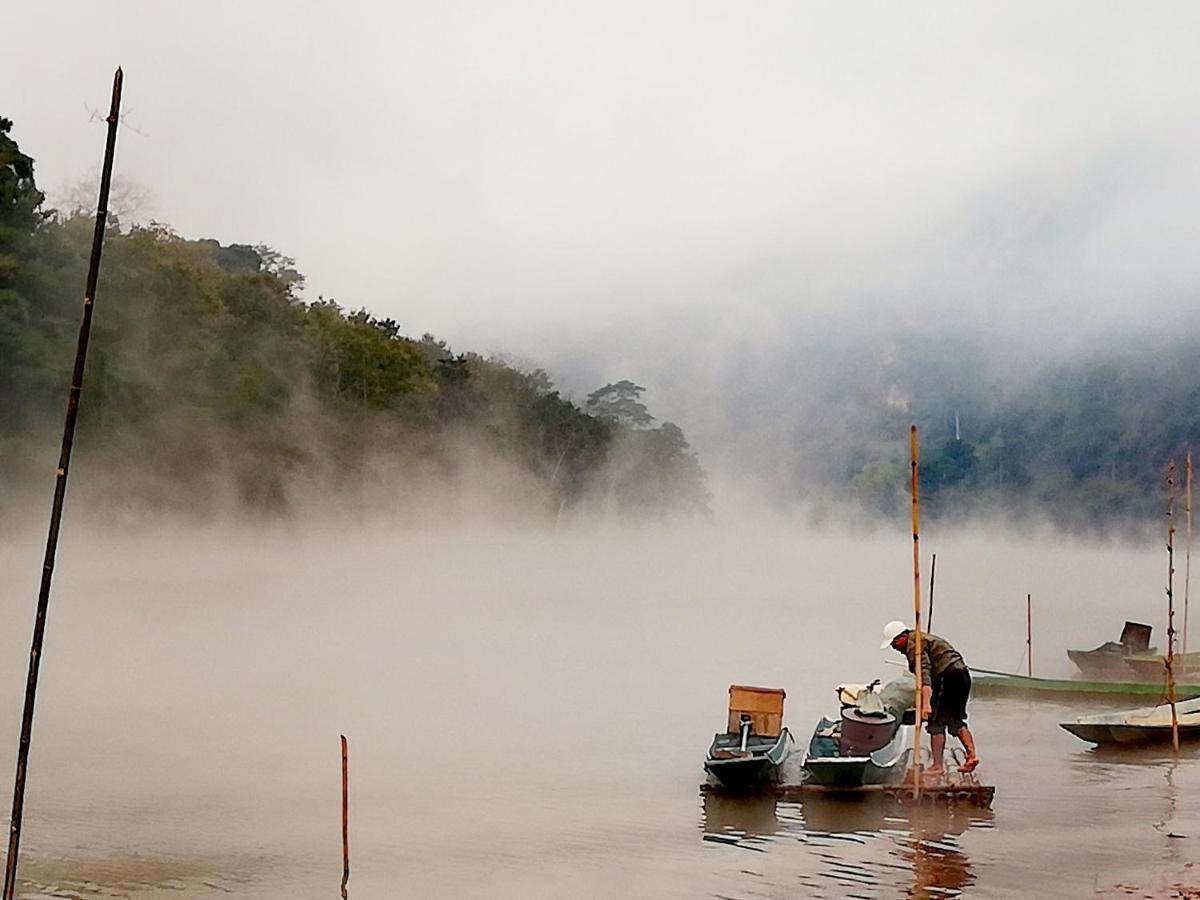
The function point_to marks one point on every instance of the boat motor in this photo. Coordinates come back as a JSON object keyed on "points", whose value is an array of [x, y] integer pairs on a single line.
{"points": [[747, 727]]}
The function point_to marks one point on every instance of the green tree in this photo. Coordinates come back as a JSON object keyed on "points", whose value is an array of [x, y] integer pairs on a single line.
{"points": [[620, 402]]}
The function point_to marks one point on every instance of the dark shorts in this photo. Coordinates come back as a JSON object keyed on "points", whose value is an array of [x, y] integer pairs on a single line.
{"points": [[950, 693]]}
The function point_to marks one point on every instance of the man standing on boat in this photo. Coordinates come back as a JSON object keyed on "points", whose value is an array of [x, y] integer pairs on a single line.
{"points": [[945, 687]]}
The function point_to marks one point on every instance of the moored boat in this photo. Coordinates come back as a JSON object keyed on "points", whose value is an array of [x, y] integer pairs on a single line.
{"points": [[755, 744], [1108, 660], [1149, 667], [986, 682], [1151, 725], [871, 741]]}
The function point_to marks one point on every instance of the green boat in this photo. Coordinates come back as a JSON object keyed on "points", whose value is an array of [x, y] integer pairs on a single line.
{"points": [[871, 741], [985, 682]]}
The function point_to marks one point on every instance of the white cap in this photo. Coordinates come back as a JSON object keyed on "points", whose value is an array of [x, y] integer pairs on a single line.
{"points": [[890, 630]]}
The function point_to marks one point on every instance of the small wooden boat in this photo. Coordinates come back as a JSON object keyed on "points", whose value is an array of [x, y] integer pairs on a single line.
{"points": [[1151, 725], [986, 682], [871, 742], [1108, 660], [1150, 667], [749, 753]]}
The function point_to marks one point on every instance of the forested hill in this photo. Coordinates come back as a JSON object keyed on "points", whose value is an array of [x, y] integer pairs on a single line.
{"points": [[212, 385], [1013, 426], [1083, 442]]}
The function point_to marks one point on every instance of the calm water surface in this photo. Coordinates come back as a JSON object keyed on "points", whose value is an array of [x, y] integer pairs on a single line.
{"points": [[528, 714]]}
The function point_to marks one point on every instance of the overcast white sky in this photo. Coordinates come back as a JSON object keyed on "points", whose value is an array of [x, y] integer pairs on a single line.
{"points": [[521, 176]]}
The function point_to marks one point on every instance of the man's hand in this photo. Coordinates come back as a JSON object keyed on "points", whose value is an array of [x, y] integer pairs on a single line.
{"points": [[926, 702]]}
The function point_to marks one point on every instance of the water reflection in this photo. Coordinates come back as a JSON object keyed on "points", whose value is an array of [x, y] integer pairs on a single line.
{"points": [[1103, 765], [854, 847], [925, 838], [734, 819]]}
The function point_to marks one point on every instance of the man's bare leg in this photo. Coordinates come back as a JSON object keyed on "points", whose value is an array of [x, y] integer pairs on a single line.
{"points": [[968, 742], [937, 744]]}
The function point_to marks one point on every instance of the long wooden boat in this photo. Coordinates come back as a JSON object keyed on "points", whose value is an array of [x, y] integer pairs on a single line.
{"points": [[985, 682], [1108, 660], [1149, 666], [1151, 725]]}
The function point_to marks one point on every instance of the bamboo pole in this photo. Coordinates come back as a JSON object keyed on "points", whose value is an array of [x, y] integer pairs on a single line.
{"points": [[60, 491], [914, 455], [932, 575], [1029, 634], [1187, 565], [345, 817], [1169, 660]]}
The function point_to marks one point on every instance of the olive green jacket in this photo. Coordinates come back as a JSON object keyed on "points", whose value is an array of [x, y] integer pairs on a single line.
{"points": [[937, 657]]}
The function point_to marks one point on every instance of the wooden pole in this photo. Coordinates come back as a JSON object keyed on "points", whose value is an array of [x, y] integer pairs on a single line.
{"points": [[60, 491], [932, 576], [914, 455], [1169, 660], [1187, 564], [1029, 634], [345, 816]]}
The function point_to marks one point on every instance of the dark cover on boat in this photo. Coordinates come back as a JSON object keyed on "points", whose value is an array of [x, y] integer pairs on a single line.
{"points": [[862, 734], [1136, 636]]}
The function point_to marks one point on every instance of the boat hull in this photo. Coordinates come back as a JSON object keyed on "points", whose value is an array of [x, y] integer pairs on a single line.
{"points": [[1129, 734], [1153, 668], [1138, 726], [745, 773], [740, 774], [823, 765], [1100, 663], [854, 772], [985, 682]]}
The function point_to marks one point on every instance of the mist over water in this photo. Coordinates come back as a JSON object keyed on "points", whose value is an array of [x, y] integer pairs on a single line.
{"points": [[528, 711], [800, 228]]}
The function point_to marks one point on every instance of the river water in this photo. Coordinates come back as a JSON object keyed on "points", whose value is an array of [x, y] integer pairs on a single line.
{"points": [[528, 713]]}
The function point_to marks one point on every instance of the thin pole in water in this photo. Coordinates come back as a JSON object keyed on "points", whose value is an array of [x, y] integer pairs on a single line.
{"points": [[60, 491], [1029, 634], [1169, 661], [1187, 564], [914, 455], [932, 576], [345, 816]]}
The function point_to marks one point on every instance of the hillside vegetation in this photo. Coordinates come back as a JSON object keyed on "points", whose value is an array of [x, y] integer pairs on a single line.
{"points": [[213, 385]]}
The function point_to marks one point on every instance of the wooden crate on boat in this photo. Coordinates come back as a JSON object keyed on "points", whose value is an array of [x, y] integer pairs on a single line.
{"points": [[764, 706]]}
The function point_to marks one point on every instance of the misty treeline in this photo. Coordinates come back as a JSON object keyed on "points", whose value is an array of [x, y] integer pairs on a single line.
{"points": [[1013, 426], [212, 384]]}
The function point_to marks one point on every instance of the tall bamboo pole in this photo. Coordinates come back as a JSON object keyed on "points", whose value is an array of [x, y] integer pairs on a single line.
{"points": [[1169, 660], [914, 455], [345, 816], [1187, 564], [60, 490]]}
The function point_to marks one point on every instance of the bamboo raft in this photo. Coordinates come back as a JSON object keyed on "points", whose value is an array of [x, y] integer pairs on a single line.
{"points": [[951, 793]]}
